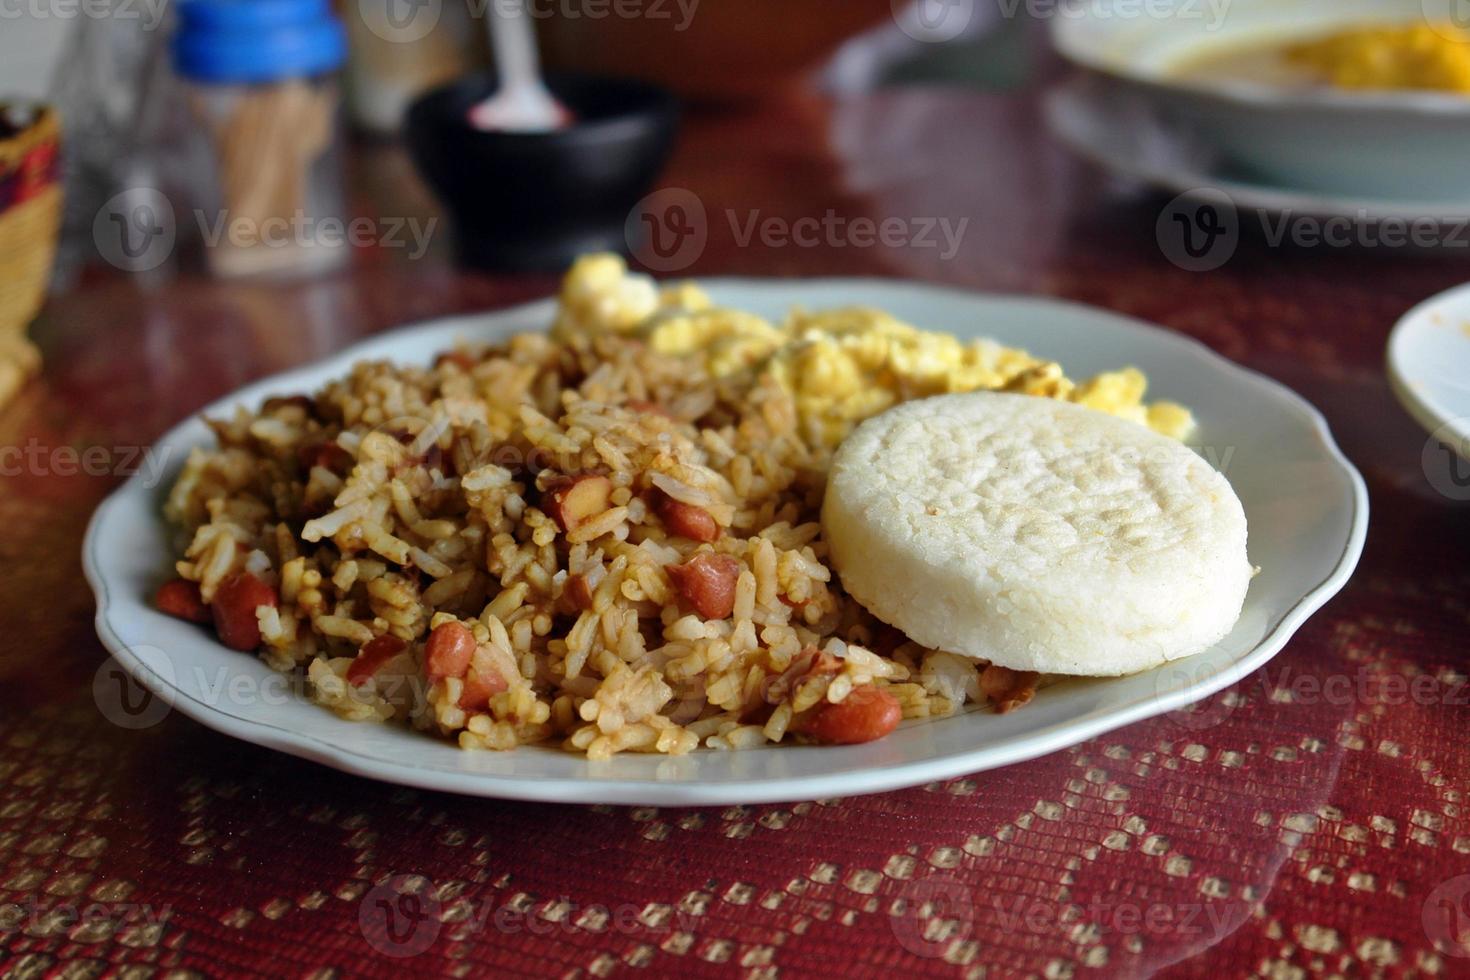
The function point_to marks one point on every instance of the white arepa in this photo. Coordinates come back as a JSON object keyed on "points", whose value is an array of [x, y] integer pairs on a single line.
{"points": [[1036, 534]]}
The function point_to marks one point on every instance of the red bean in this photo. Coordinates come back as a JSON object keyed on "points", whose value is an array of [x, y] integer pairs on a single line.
{"points": [[866, 714], [460, 359], [235, 602], [303, 402], [648, 408], [572, 501], [479, 688], [823, 662], [373, 655], [707, 582], [685, 520], [181, 598], [327, 455], [448, 653], [1007, 689], [576, 594]]}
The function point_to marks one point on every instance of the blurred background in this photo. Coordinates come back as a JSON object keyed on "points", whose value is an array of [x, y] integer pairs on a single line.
{"points": [[126, 102], [265, 151], [377, 161], [715, 50]]}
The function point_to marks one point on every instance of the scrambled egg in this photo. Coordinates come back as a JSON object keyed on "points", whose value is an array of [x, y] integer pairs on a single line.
{"points": [[840, 366], [1409, 56]]}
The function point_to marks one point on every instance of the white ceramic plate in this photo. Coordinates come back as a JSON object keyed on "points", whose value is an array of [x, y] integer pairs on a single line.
{"points": [[1307, 507], [1320, 139], [1123, 132], [1429, 366]]}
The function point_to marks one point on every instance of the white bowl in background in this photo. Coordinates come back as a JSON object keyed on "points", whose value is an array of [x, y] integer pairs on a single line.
{"points": [[1406, 145]]}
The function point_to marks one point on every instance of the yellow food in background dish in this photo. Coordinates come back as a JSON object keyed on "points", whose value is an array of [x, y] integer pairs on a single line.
{"points": [[840, 366], [1413, 56]]}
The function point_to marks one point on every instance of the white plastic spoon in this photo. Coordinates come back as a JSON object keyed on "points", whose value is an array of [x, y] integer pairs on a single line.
{"points": [[522, 104]]}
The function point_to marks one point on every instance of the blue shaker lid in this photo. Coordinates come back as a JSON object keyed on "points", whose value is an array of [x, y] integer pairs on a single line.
{"points": [[238, 41]]}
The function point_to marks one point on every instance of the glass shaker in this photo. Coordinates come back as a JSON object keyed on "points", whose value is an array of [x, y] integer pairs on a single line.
{"points": [[264, 161]]}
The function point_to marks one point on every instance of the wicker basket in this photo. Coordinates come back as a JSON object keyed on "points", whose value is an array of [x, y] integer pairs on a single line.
{"points": [[30, 219]]}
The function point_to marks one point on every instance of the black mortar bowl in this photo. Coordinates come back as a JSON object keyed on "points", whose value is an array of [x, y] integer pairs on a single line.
{"points": [[535, 201]]}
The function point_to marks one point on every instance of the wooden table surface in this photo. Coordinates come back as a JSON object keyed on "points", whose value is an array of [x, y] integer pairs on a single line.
{"points": [[1333, 833]]}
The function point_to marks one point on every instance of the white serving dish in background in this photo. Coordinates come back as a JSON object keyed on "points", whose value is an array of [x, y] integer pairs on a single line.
{"points": [[1122, 133], [1429, 366], [1379, 144]]}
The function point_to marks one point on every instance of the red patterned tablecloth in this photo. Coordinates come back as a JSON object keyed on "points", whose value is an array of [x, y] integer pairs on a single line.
{"points": [[1309, 821]]}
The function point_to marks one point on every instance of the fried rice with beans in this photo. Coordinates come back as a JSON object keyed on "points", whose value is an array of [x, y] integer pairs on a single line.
{"points": [[603, 538]]}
